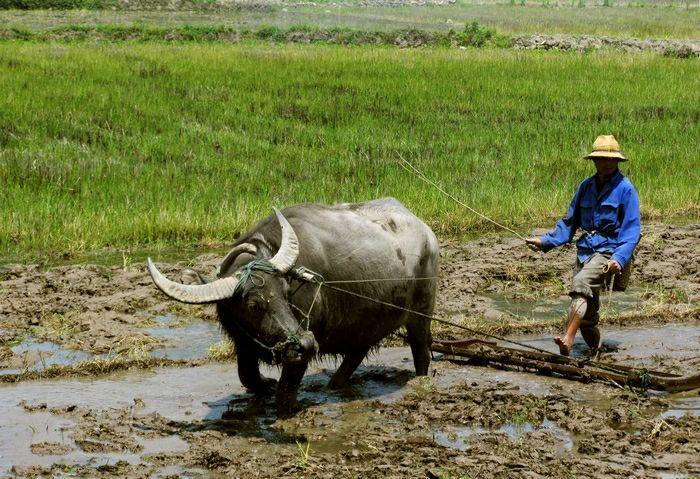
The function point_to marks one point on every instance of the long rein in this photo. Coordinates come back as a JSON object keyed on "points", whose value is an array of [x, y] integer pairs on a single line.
{"points": [[304, 274]]}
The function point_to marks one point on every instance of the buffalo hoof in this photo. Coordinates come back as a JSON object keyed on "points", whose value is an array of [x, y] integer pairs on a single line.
{"points": [[265, 387], [287, 407]]}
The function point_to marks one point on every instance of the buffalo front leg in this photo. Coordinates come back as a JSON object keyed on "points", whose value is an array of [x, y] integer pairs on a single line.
{"points": [[347, 367], [419, 338], [249, 371], [288, 387]]}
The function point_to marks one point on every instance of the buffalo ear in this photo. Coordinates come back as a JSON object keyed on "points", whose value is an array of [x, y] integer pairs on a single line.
{"points": [[229, 260]]}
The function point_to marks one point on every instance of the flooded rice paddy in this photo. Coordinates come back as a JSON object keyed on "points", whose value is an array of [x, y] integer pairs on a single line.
{"points": [[196, 420]]}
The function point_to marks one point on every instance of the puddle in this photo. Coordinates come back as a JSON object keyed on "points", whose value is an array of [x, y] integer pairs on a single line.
{"points": [[190, 341], [458, 437], [181, 472], [186, 338], [644, 347], [683, 403], [212, 392], [21, 429], [37, 355], [556, 308], [205, 392]]}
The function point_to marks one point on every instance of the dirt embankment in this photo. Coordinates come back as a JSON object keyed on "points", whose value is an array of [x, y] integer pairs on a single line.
{"points": [[401, 38], [106, 310], [584, 43]]}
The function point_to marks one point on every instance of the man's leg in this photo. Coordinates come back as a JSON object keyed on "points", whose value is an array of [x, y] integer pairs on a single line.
{"points": [[583, 311], [589, 323], [577, 311]]}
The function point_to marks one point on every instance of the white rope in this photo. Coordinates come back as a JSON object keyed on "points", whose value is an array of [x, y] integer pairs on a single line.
{"points": [[415, 171]]}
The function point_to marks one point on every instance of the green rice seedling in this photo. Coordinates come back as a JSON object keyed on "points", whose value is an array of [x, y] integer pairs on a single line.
{"points": [[139, 146]]}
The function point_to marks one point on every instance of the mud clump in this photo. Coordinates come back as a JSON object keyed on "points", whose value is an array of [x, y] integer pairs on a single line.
{"points": [[49, 449]]}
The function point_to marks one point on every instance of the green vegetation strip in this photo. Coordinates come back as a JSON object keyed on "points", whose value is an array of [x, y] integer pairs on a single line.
{"points": [[151, 145]]}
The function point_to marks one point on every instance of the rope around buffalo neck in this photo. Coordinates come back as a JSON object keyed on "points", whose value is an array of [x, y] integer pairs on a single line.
{"points": [[247, 273]]}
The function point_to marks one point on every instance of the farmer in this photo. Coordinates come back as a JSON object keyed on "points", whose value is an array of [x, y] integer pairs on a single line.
{"points": [[606, 208]]}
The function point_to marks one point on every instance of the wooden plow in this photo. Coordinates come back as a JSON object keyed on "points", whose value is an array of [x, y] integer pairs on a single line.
{"points": [[488, 353]]}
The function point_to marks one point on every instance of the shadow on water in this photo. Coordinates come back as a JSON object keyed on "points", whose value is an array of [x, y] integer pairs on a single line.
{"points": [[247, 415]]}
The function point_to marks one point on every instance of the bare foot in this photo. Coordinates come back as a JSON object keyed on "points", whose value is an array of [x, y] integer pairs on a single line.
{"points": [[564, 348]]}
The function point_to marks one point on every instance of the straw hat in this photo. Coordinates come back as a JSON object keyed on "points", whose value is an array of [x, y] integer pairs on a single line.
{"points": [[606, 146]]}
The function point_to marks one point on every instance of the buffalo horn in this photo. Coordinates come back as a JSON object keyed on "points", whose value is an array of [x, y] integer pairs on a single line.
{"points": [[289, 248], [194, 293]]}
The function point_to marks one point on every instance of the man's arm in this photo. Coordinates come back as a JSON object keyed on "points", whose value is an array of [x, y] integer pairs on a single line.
{"points": [[564, 230], [630, 229]]}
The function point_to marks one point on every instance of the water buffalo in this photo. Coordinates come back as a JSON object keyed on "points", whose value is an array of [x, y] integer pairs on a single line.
{"points": [[261, 300]]}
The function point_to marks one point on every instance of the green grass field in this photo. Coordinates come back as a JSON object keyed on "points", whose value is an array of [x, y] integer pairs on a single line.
{"points": [[638, 18], [150, 144]]}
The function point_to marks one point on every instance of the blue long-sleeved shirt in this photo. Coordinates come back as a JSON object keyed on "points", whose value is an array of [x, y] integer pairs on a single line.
{"points": [[609, 217]]}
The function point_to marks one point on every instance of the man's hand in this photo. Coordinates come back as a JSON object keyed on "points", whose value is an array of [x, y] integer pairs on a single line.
{"points": [[535, 244], [612, 266]]}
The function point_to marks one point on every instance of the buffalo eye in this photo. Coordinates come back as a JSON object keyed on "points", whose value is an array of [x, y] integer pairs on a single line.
{"points": [[257, 304]]}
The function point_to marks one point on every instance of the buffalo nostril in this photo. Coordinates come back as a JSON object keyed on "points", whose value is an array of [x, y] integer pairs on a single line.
{"points": [[309, 344]]}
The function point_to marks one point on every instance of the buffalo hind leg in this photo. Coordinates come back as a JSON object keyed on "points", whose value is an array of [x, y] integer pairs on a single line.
{"points": [[419, 338], [350, 362]]}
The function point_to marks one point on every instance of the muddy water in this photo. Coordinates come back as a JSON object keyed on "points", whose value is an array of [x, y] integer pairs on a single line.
{"points": [[459, 421], [181, 339], [556, 308], [160, 420], [669, 345], [178, 394], [460, 437], [189, 341], [35, 355]]}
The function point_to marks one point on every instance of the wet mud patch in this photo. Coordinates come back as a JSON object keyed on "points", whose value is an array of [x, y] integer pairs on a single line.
{"points": [[461, 420], [500, 286], [197, 421]]}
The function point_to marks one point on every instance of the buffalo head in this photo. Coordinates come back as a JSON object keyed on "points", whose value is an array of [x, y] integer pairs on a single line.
{"points": [[250, 294]]}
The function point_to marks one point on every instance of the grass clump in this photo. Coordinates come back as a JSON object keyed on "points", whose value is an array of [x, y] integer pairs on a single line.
{"points": [[222, 351], [97, 367], [475, 35]]}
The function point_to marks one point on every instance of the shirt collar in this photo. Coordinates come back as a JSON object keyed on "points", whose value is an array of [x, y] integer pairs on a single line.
{"points": [[614, 181]]}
